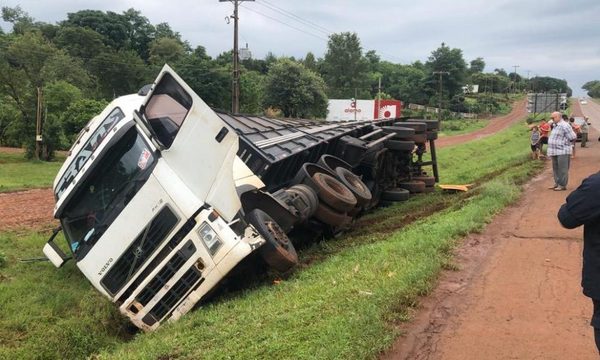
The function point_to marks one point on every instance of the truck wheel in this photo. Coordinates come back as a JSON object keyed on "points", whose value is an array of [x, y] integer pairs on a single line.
{"points": [[355, 184], [278, 252], [428, 180], [400, 145], [419, 127], [397, 194], [401, 132], [331, 217], [412, 186], [334, 193], [418, 138], [431, 124], [432, 135], [309, 194]]}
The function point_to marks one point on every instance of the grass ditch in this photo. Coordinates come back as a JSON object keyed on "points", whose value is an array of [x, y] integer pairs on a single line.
{"points": [[461, 126], [345, 304], [18, 173]]}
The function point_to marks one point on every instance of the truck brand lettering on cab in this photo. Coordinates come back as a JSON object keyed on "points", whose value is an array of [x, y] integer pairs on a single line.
{"points": [[105, 267]]}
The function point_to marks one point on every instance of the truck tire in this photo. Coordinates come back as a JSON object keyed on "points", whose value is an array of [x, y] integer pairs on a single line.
{"points": [[401, 132], [418, 127], [413, 186], [400, 145], [397, 194], [418, 138], [331, 217], [278, 252], [334, 193], [354, 183], [428, 180], [432, 135], [431, 124]]}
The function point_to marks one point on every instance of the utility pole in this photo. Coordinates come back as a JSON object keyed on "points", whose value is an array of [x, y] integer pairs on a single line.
{"points": [[379, 99], [440, 73], [235, 84], [38, 125], [515, 80]]}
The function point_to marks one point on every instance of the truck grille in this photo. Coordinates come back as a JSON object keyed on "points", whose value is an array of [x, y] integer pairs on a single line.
{"points": [[166, 273], [188, 282], [164, 252], [138, 252]]}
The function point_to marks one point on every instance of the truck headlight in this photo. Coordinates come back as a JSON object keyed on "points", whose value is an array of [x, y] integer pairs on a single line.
{"points": [[210, 238]]}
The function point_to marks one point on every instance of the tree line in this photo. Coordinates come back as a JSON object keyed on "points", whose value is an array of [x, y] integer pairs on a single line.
{"points": [[593, 88], [79, 64]]}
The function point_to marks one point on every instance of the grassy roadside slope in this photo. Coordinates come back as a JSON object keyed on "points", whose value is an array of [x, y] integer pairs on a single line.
{"points": [[17, 173], [343, 305]]}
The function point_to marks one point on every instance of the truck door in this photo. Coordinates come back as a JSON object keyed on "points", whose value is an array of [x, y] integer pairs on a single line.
{"points": [[196, 144]]}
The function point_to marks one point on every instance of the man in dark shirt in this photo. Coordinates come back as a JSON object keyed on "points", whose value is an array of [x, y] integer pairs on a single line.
{"points": [[583, 208]]}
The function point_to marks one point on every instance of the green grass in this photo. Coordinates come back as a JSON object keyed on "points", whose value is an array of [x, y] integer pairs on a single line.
{"points": [[18, 173], [461, 126], [343, 302]]}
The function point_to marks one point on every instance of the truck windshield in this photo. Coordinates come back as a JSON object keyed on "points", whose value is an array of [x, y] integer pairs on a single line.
{"points": [[103, 195]]}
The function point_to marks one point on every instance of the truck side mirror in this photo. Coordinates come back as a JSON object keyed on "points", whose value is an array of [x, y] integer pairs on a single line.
{"points": [[53, 252]]}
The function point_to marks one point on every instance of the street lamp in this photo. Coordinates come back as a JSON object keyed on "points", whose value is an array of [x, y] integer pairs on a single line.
{"points": [[440, 73]]}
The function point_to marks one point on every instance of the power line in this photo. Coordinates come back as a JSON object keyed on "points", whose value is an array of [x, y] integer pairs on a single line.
{"points": [[295, 17], [283, 23]]}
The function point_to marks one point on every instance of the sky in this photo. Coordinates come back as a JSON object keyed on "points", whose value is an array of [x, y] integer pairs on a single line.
{"points": [[546, 38]]}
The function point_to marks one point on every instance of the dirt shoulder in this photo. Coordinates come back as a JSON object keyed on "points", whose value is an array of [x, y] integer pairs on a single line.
{"points": [[517, 292], [496, 124]]}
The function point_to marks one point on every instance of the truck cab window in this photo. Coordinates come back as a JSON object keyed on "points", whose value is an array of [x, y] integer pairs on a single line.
{"points": [[167, 108]]}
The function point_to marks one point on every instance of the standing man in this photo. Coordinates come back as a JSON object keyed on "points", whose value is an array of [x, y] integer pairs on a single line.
{"points": [[583, 208], [559, 150], [584, 132]]}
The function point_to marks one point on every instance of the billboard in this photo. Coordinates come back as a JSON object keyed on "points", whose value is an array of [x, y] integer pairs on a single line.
{"points": [[351, 110]]}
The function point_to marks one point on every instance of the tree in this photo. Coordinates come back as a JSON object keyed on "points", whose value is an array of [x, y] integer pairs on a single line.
{"points": [[449, 60], [21, 21], [296, 91], [404, 82], [83, 43], [344, 67], [77, 115], [141, 33], [165, 50], [549, 84], [115, 28], [120, 72], [208, 79], [310, 62], [593, 88], [477, 65], [251, 92]]}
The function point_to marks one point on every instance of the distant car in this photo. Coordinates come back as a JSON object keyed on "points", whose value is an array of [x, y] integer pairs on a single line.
{"points": [[583, 102]]}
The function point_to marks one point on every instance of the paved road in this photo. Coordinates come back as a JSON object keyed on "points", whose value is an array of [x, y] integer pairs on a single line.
{"points": [[517, 293]]}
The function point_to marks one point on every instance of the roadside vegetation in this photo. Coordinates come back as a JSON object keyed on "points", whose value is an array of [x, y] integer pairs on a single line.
{"points": [[343, 301], [461, 126]]}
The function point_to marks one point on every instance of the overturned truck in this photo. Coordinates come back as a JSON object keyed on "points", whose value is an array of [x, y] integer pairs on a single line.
{"points": [[161, 196]]}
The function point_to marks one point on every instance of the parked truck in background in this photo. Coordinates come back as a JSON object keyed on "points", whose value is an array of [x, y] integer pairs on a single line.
{"points": [[161, 197]]}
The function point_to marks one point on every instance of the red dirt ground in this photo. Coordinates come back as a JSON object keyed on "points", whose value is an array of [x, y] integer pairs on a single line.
{"points": [[517, 292]]}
